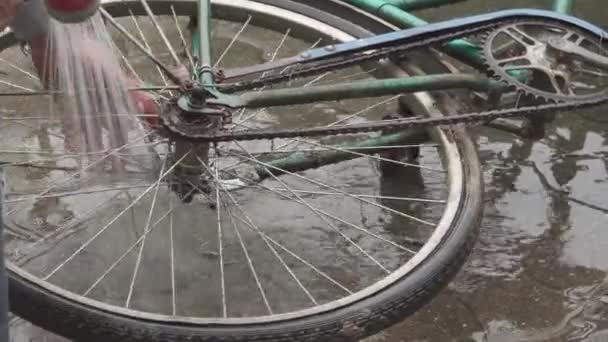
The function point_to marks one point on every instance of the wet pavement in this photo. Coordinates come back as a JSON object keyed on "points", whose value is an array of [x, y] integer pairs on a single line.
{"points": [[539, 270]]}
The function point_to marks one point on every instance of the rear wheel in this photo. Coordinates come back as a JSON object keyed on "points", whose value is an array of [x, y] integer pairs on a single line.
{"points": [[336, 252]]}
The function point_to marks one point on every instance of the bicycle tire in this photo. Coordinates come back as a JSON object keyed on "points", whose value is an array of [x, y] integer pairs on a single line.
{"points": [[363, 318]]}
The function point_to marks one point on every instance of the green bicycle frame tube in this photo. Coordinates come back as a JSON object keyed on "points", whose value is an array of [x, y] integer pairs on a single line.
{"points": [[202, 42], [563, 6], [461, 49], [362, 89], [350, 90], [413, 5]]}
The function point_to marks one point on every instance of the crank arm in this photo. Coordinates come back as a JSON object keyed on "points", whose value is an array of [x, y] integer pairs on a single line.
{"points": [[578, 52], [471, 25]]}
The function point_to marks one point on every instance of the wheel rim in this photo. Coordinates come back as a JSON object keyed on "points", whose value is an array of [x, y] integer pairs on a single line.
{"points": [[453, 200]]}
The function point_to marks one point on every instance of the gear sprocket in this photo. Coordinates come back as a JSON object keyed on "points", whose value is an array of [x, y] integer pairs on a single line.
{"points": [[550, 61]]}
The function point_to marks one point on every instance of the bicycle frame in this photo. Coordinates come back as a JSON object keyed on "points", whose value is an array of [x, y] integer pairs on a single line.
{"points": [[392, 10]]}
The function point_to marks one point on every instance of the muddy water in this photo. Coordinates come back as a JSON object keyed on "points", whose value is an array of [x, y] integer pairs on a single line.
{"points": [[539, 271]]}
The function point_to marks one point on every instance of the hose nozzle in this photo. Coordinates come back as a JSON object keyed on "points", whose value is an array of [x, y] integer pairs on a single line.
{"points": [[72, 11]]}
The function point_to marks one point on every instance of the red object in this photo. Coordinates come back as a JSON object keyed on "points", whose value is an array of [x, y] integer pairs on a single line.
{"points": [[70, 5], [145, 104], [72, 11]]}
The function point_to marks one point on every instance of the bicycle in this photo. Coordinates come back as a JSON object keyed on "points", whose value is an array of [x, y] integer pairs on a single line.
{"points": [[398, 175]]}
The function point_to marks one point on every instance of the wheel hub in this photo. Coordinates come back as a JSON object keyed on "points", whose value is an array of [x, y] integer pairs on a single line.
{"points": [[192, 113]]}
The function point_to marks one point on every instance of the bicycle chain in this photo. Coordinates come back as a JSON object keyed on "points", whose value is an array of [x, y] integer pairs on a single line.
{"points": [[382, 126], [353, 60]]}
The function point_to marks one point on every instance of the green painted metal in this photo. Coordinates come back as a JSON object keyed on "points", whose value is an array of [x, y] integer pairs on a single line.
{"points": [[461, 49], [203, 37], [362, 89], [563, 6], [413, 5], [301, 161]]}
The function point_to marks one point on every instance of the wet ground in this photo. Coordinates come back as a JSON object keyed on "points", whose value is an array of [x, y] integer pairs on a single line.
{"points": [[539, 270]]}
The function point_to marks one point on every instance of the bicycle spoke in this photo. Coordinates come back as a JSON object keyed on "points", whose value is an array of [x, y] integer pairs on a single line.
{"points": [[62, 229], [316, 79], [364, 110], [126, 62], [362, 148], [392, 198], [16, 86], [160, 30], [147, 45], [172, 250], [250, 264], [351, 76], [352, 225], [322, 217], [234, 39], [350, 151], [125, 254], [80, 154], [272, 58], [77, 193], [326, 193], [294, 255], [90, 166], [30, 92], [276, 254], [220, 243], [254, 273], [108, 225], [278, 48], [270, 247], [143, 242], [279, 193], [137, 76], [21, 70], [19, 122], [130, 249], [149, 54], [32, 164], [319, 78], [183, 39], [258, 162], [46, 118]]}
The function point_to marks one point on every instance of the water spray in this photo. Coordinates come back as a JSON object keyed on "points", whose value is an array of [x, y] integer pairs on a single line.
{"points": [[72, 11]]}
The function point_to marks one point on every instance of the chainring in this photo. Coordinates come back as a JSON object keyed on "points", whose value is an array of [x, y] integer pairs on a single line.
{"points": [[532, 53]]}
